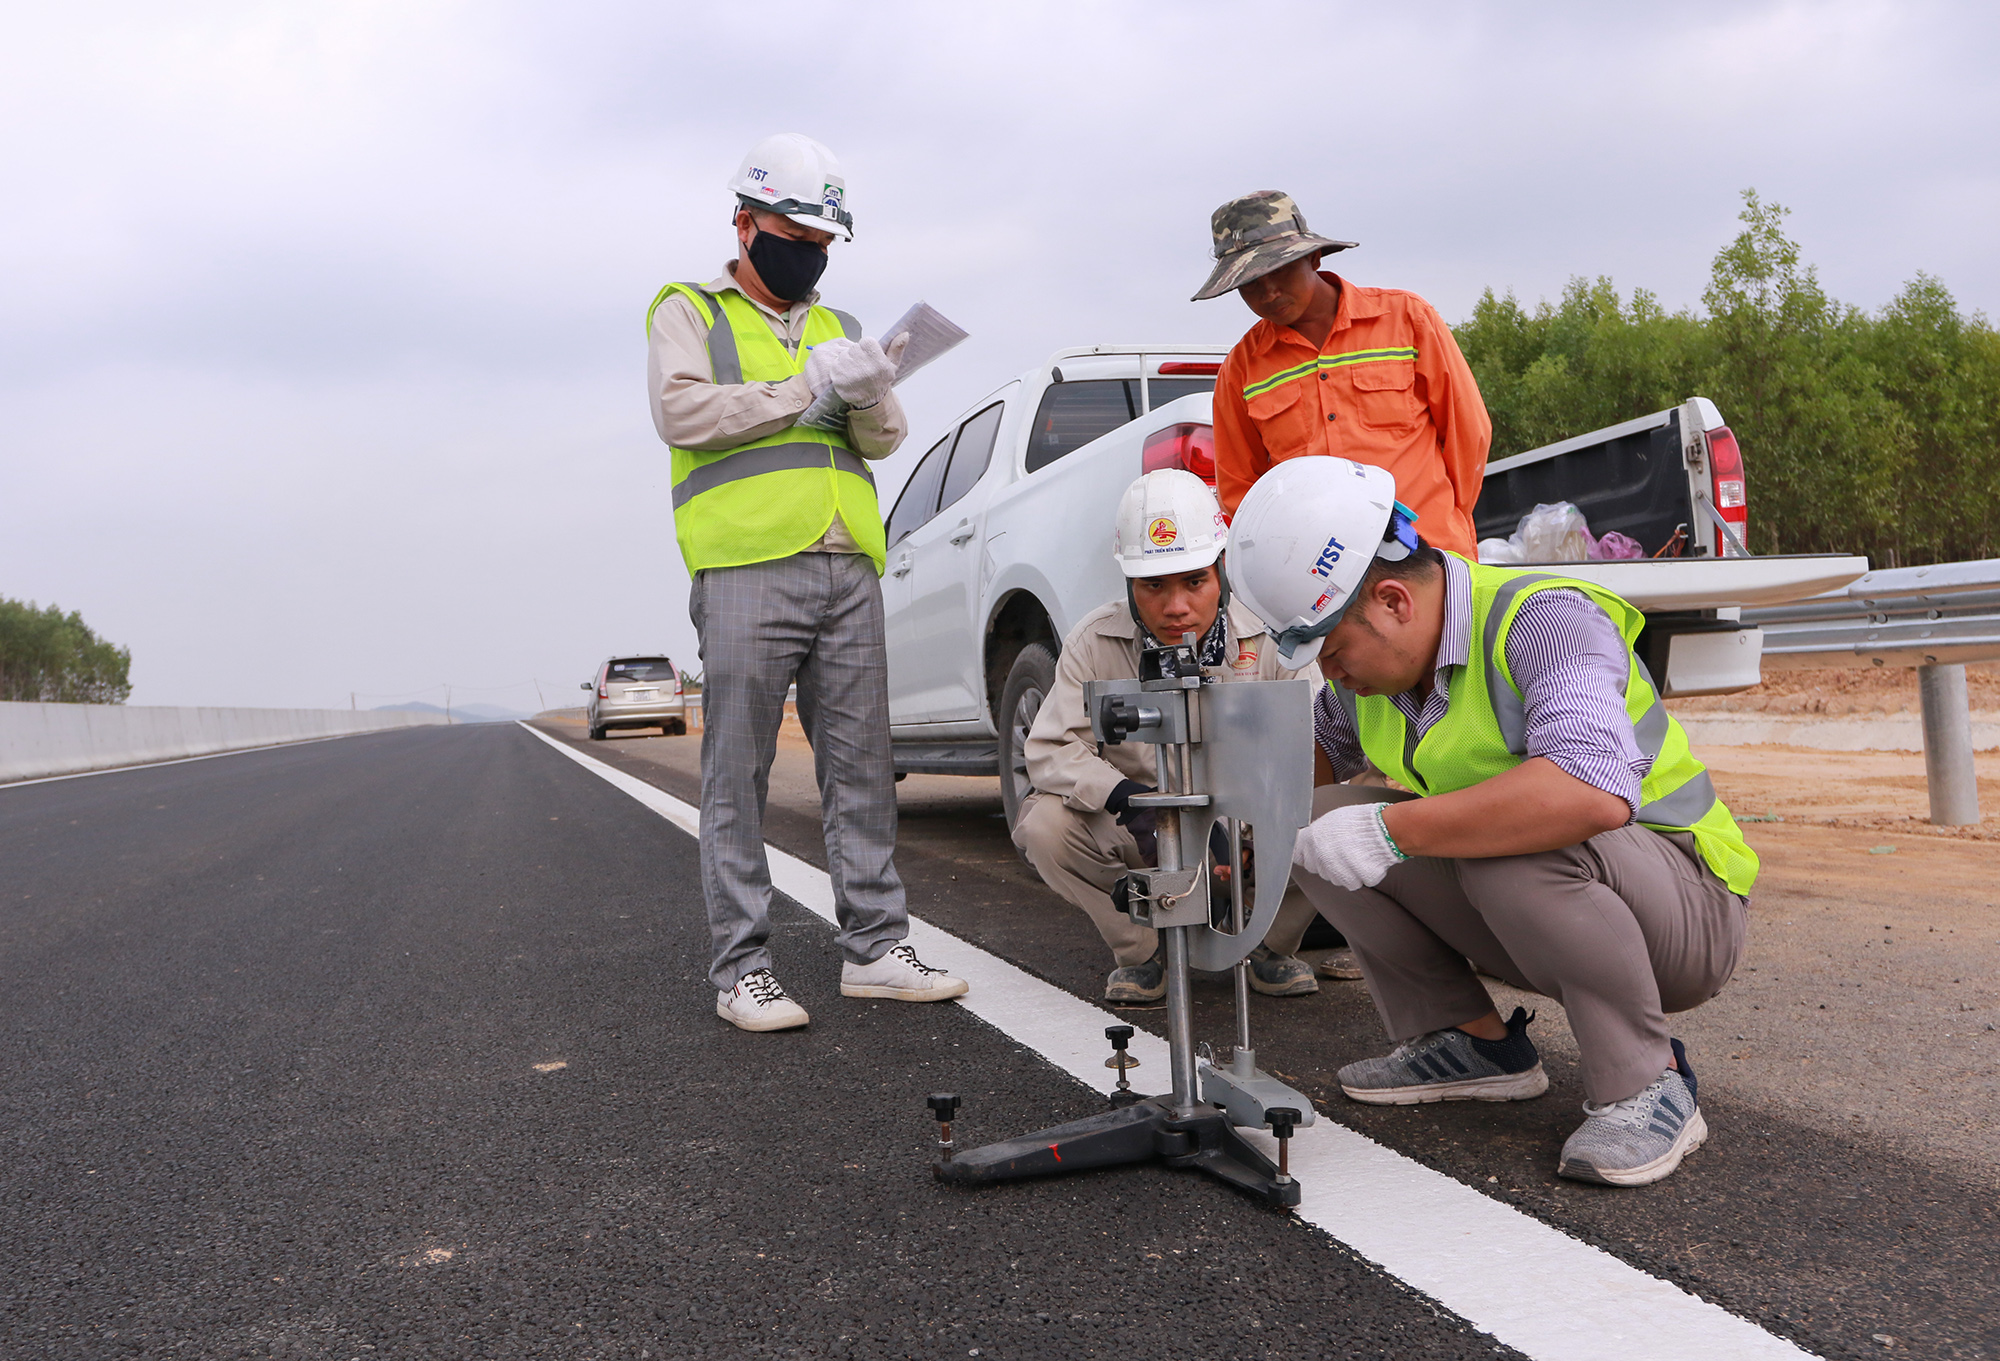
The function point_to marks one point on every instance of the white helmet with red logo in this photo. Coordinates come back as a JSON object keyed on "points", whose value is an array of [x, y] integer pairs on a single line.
{"points": [[791, 174], [1168, 521], [1305, 534]]}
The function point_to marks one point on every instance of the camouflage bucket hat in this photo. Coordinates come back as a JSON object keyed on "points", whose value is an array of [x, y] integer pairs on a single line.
{"points": [[1256, 234]]}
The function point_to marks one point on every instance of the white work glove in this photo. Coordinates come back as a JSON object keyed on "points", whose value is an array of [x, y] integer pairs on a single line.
{"points": [[1349, 846], [822, 361], [858, 371]]}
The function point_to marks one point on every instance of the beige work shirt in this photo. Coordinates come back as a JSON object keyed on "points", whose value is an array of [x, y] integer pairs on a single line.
{"points": [[692, 411], [1062, 754]]}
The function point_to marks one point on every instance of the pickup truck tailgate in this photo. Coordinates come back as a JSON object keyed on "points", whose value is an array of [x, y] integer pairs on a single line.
{"points": [[1658, 584]]}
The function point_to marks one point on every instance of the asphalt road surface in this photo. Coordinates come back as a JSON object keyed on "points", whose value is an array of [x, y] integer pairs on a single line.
{"points": [[400, 1046], [1836, 1240]]}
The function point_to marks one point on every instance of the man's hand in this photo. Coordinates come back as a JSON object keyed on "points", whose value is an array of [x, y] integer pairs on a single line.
{"points": [[1349, 847], [822, 361], [1142, 823], [857, 370]]}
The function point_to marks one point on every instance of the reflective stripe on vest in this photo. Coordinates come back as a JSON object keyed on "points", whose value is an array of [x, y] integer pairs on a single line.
{"points": [[1405, 355], [768, 458], [723, 364], [1678, 794], [771, 497]]}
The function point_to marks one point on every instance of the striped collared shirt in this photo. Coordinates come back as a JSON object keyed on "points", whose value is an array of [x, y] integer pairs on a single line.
{"points": [[1571, 665]]}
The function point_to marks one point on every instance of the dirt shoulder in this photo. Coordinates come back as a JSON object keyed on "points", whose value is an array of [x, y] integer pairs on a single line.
{"points": [[1842, 692]]}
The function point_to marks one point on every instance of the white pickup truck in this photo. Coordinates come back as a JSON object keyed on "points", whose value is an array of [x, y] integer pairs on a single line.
{"points": [[1000, 541]]}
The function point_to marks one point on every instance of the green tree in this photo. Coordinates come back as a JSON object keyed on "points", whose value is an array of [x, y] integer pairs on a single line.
{"points": [[1589, 362], [52, 657], [1942, 371], [1786, 365], [1877, 434]]}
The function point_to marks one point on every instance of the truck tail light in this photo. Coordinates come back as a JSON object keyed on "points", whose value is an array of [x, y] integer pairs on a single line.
{"points": [[1178, 367], [1725, 469], [677, 683], [1188, 447]]}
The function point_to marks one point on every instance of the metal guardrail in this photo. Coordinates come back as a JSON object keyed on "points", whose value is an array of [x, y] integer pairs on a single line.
{"points": [[1903, 616], [1934, 618]]}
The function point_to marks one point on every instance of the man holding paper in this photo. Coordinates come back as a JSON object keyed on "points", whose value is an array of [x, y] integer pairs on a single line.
{"points": [[779, 526]]}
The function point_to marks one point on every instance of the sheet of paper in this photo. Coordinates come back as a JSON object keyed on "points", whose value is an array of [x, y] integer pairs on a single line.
{"points": [[931, 334]]}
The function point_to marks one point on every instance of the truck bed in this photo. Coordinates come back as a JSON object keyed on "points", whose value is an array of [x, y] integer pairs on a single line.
{"points": [[1631, 478]]}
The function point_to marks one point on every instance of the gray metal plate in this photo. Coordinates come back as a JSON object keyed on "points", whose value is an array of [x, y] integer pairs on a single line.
{"points": [[1255, 762]]}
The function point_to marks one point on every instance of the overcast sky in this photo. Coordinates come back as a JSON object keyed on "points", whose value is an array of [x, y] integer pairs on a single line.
{"points": [[321, 342]]}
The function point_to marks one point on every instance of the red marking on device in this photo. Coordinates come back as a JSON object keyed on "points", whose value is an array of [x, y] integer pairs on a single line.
{"points": [[1057, 1151]]}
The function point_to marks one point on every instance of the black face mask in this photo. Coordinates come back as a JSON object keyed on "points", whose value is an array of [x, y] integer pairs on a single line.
{"points": [[788, 268]]}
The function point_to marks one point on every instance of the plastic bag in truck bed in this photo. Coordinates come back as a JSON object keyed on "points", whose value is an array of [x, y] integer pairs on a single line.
{"points": [[1557, 533]]}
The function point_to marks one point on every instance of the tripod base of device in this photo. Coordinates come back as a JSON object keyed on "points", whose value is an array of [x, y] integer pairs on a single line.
{"points": [[1147, 1131]]}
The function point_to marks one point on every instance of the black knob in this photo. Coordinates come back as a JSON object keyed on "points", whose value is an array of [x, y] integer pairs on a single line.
{"points": [[944, 1106], [1282, 1119], [1120, 718], [1119, 1035]]}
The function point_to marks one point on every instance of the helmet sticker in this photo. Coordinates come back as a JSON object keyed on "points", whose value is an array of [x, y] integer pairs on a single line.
{"points": [[1320, 603], [1328, 556], [830, 197], [1163, 532]]}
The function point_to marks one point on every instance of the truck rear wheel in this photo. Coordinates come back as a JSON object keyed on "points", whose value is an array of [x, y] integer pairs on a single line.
{"points": [[1029, 681]]}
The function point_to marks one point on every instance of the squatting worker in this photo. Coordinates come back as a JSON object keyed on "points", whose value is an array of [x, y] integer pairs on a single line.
{"points": [[1561, 835], [1078, 829], [782, 535], [1369, 374]]}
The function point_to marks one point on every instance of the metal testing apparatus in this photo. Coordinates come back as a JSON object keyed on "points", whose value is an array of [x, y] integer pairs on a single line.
{"points": [[1233, 756]]}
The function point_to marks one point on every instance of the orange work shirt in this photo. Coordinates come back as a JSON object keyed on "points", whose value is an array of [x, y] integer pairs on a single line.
{"points": [[1388, 388]]}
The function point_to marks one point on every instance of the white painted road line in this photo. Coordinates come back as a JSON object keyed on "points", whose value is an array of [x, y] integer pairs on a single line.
{"points": [[1531, 1286]]}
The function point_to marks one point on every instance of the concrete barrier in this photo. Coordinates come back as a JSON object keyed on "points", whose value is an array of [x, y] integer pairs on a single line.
{"points": [[38, 740]]}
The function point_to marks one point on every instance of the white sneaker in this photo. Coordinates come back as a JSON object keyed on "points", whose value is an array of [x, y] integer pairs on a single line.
{"points": [[900, 976], [758, 1002]]}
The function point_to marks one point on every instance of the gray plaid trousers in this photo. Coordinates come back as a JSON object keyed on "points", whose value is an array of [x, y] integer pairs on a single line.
{"points": [[816, 617]]}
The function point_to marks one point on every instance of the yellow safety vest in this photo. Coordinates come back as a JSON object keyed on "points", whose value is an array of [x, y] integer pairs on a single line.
{"points": [[1483, 732], [775, 496]]}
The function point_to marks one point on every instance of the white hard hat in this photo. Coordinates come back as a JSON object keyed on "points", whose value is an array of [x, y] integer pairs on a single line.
{"points": [[790, 174], [1168, 521], [1305, 535]]}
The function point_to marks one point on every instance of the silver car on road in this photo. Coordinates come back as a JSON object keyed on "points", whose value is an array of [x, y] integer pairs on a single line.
{"points": [[636, 692]]}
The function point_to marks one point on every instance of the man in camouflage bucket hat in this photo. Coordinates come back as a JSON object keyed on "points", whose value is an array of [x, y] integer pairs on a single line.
{"points": [[1256, 234], [1368, 374]]}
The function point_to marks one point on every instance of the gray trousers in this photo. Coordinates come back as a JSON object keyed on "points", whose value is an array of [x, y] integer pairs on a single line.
{"points": [[1081, 855], [1621, 929], [816, 618]]}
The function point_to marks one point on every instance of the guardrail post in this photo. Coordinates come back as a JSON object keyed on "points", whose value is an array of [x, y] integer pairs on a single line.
{"points": [[1948, 767]]}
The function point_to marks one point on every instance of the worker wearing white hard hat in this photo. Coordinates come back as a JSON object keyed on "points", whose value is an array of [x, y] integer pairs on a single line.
{"points": [[1556, 831], [779, 525], [1077, 827]]}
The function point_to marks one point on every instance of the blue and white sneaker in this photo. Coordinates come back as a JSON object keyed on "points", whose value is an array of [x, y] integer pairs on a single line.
{"points": [[1450, 1065], [1641, 1139]]}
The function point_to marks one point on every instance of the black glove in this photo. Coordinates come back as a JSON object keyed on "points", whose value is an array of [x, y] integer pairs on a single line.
{"points": [[1117, 803], [1140, 822]]}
